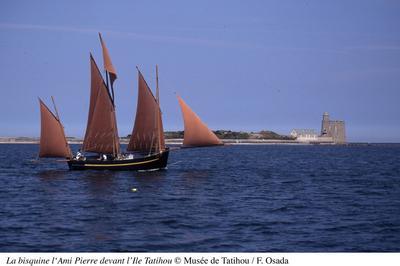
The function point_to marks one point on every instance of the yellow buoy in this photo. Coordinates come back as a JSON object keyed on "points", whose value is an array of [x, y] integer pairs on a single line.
{"points": [[134, 189]]}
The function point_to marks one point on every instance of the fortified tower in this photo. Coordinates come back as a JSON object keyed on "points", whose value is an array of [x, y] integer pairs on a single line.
{"points": [[335, 129], [325, 125]]}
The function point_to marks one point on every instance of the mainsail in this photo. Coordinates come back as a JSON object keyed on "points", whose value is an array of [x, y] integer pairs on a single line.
{"points": [[196, 132], [147, 134], [101, 130], [52, 137]]}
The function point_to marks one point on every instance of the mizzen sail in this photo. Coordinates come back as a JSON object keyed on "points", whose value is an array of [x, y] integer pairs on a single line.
{"points": [[101, 130], [196, 132], [53, 142], [147, 134]]}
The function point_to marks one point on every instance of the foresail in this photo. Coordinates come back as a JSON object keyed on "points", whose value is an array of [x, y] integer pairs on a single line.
{"points": [[52, 137], [147, 134], [196, 132], [101, 130]]}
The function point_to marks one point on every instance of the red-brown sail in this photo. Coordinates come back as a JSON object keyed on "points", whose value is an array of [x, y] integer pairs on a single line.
{"points": [[196, 132], [52, 137], [101, 131], [148, 133], [108, 66]]}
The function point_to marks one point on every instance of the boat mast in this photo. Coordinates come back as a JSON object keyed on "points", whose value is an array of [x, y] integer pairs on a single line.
{"points": [[159, 109], [112, 86], [114, 152], [62, 127], [157, 89], [55, 108], [108, 81], [112, 91]]}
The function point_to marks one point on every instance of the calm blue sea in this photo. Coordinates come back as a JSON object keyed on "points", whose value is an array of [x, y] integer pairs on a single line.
{"points": [[234, 198]]}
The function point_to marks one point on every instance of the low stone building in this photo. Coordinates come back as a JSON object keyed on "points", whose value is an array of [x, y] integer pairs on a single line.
{"points": [[304, 135]]}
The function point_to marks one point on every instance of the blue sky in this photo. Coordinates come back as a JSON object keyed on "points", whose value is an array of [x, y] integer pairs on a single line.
{"points": [[241, 65]]}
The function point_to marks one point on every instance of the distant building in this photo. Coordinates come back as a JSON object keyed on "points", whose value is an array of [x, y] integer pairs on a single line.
{"points": [[7, 139], [304, 135], [333, 128]]}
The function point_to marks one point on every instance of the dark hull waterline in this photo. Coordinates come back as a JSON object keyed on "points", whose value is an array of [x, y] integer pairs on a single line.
{"points": [[152, 162]]}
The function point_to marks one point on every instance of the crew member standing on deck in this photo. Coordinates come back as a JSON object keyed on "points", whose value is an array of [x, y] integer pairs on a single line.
{"points": [[79, 155]]}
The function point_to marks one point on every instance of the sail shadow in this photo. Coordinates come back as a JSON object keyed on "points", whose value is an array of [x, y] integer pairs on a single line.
{"points": [[46, 164], [52, 174], [98, 175], [99, 181]]}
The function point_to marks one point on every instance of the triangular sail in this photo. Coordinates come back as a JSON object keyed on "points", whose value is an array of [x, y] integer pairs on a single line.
{"points": [[53, 142], [101, 130], [147, 134], [108, 66], [196, 132]]}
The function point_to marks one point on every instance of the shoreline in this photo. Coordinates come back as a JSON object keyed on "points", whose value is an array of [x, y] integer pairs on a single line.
{"points": [[180, 141], [228, 142]]}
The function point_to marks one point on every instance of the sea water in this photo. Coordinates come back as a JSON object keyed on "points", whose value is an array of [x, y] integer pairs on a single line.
{"points": [[234, 198]]}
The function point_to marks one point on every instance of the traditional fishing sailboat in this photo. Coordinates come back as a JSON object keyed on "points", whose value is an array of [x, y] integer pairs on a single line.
{"points": [[53, 142], [146, 148], [196, 133]]}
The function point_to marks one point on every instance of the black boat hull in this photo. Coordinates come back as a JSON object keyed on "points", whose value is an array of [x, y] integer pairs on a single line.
{"points": [[152, 162]]}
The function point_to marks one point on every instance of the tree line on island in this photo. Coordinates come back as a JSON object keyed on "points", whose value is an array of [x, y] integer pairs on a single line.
{"points": [[221, 134], [229, 134]]}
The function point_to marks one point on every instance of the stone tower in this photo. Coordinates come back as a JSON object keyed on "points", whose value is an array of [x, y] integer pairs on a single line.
{"points": [[338, 131], [325, 125], [333, 128]]}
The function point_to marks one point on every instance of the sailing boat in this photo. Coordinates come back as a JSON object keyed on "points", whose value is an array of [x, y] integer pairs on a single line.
{"points": [[53, 142], [146, 148], [196, 133]]}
